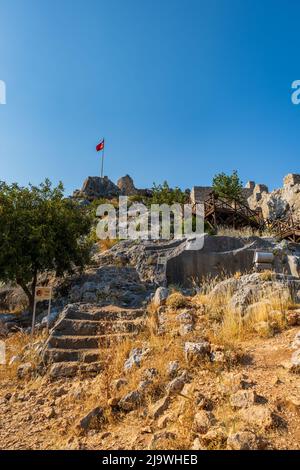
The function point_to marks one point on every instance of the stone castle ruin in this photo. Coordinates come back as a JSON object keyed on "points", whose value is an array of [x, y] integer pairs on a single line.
{"points": [[95, 187]]}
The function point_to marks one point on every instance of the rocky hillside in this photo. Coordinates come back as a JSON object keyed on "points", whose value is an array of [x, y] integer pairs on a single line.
{"points": [[217, 368]]}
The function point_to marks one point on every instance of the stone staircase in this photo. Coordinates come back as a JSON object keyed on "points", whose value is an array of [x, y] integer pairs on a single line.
{"points": [[82, 334]]}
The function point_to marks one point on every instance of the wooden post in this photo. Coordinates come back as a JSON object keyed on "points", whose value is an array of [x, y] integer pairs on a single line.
{"points": [[214, 209], [33, 316], [49, 311]]}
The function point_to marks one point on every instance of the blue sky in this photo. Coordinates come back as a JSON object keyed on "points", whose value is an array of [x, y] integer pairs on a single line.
{"points": [[181, 89]]}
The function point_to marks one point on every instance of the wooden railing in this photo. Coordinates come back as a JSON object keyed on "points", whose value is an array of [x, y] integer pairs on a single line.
{"points": [[214, 204], [285, 228], [215, 207]]}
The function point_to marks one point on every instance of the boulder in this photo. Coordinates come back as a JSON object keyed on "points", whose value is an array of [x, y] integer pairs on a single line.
{"points": [[245, 292], [295, 362], [243, 399], [259, 416], [296, 343], [119, 383], [150, 373], [160, 296], [243, 440], [172, 368], [232, 382], [197, 351], [197, 445], [131, 401], [215, 436], [93, 420], [162, 436], [293, 318], [144, 384], [203, 421], [185, 317], [126, 186], [49, 412], [160, 407], [175, 386], [186, 329], [135, 358], [293, 402], [294, 265], [25, 370]]}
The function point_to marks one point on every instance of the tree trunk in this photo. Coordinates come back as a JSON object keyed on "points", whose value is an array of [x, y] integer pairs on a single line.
{"points": [[29, 291]]}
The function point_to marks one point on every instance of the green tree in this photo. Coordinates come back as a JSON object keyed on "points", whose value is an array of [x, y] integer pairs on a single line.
{"points": [[40, 231], [228, 186], [163, 194]]}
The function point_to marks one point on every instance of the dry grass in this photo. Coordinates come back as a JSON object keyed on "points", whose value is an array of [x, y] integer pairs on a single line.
{"points": [[177, 300], [21, 345], [266, 317], [242, 232], [105, 245], [267, 275], [207, 283]]}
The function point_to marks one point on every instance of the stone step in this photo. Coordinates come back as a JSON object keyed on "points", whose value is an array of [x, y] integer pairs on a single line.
{"points": [[85, 342], [103, 314], [72, 355], [78, 340], [70, 369], [71, 327]]}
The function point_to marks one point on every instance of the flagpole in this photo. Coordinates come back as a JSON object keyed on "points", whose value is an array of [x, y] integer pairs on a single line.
{"points": [[102, 164]]}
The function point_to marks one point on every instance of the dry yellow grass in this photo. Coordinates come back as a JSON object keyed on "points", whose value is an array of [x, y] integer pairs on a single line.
{"points": [[16, 345], [105, 245], [267, 316], [267, 275], [242, 232], [177, 300]]}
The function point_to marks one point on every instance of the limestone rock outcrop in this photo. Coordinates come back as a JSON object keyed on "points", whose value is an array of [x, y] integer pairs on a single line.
{"points": [[95, 187], [280, 202], [126, 186]]}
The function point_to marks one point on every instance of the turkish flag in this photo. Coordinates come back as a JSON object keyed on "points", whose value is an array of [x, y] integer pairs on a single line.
{"points": [[100, 146]]}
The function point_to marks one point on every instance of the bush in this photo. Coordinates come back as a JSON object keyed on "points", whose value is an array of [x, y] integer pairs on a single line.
{"points": [[163, 194], [228, 186], [177, 300]]}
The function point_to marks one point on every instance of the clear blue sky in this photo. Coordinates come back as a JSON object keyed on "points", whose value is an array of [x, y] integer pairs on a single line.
{"points": [[181, 89]]}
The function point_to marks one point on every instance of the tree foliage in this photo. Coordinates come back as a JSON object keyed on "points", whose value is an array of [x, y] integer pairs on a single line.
{"points": [[40, 230], [229, 186], [163, 194]]}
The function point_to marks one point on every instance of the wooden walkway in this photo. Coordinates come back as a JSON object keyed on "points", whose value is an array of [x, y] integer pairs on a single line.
{"points": [[223, 212]]}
